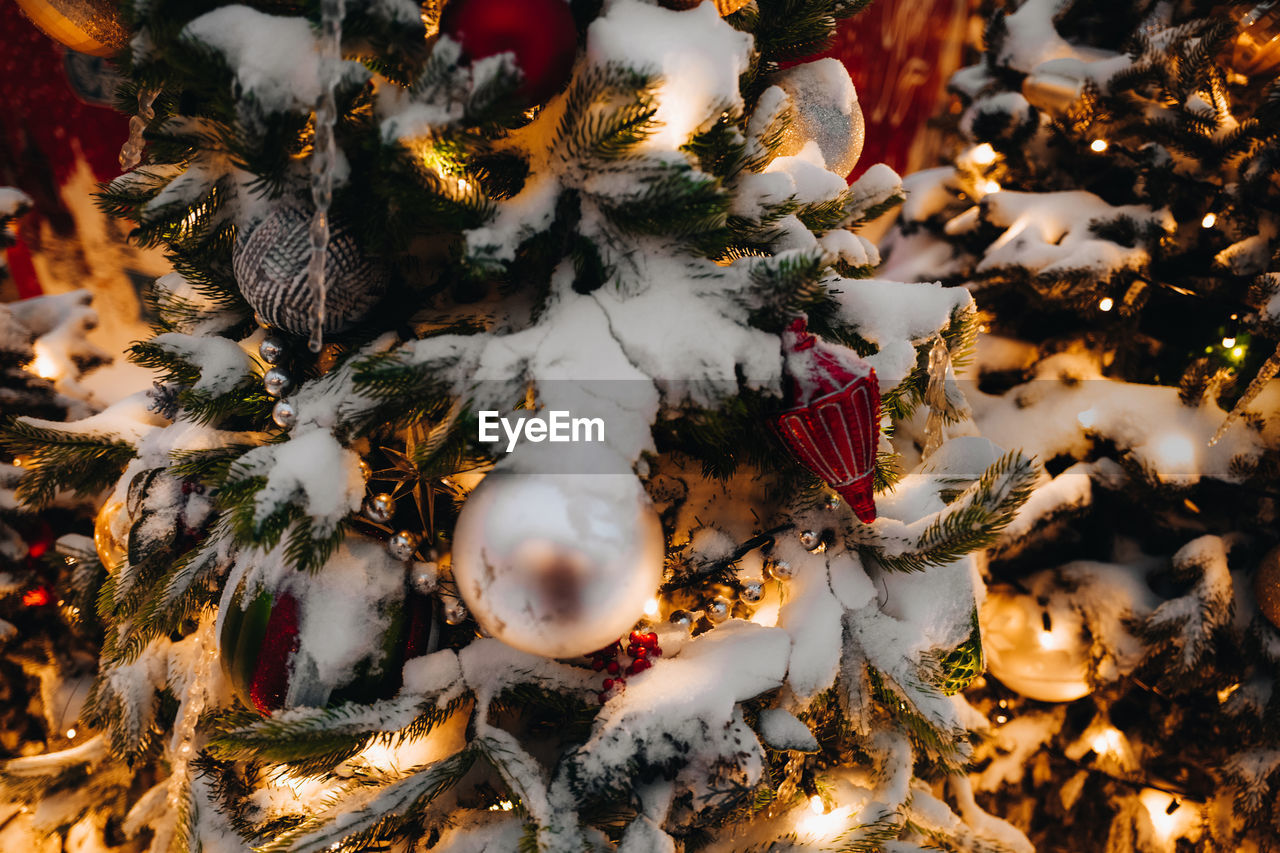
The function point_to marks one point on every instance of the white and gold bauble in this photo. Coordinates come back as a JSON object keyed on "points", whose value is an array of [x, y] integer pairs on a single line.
{"points": [[1033, 648], [557, 564]]}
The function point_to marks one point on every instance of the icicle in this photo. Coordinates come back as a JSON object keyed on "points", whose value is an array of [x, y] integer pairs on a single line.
{"points": [[1265, 374], [131, 151], [324, 158], [936, 395], [182, 743]]}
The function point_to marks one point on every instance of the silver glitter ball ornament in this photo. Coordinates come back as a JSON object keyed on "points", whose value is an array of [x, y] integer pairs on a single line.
{"points": [[284, 414], [270, 264], [751, 591], [379, 508], [810, 540], [455, 612], [271, 350], [825, 110], [718, 609], [402, 545], [781, 570], [682, 619], [277, 382], [424, 577]]}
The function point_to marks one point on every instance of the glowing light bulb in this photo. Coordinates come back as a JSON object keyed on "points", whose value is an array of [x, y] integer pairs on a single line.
{"points": [[1171, 817], [1098, 145], [1225, 693], [651, 607], [1209, 220], [71, 734], [983, 155], [1109, 741], [991, 187], [816, 805], [1237, 352], [44, 365], [1106, 303], [1001, 719], [1174, 455], [1228, 342], [504, 806]]}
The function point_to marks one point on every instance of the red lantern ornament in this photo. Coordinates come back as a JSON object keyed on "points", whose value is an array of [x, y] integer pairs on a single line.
{"points": [[832, 416], [540, 33]]}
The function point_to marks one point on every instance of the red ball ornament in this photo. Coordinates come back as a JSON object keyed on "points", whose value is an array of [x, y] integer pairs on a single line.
{"points": [[832, 415], [541, 34]]}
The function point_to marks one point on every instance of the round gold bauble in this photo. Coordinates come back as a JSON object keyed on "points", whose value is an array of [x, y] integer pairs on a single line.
{"points": [[95, 27], [111, 534], [1266, 586]]}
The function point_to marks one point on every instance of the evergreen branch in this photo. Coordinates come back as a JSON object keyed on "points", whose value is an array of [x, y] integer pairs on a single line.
{"points": [[55, 460]]}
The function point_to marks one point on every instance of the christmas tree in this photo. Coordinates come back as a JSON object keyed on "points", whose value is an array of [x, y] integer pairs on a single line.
{"points": [[1112, 211], [360, 594], [49, 574]]}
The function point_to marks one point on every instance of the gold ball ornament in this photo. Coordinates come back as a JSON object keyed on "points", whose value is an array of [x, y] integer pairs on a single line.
{"points": [[111, 534], [724, 7], [95, 27], [1036, 650], [1266, 586]]}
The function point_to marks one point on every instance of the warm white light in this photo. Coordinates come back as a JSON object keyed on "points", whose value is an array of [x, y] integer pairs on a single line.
{"points": [[1225, 693], [1098, 145], [1087, 418], [1228, 342], [1001, 719], [1209, 220], [1174, 454], [44, 364], [1109, 741], [824, 826], [816, 805], [983, 155], [991, 187], [651, 607], [71, 734], [504, 806], [1237, 352], [1171, 817], [1106, 303]]}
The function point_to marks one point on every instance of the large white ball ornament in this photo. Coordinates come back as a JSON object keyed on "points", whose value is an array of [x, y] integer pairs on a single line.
{"points": [[1036, 650], [557, 564], [826, 111]]}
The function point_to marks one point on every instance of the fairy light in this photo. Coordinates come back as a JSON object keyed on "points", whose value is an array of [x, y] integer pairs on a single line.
{"points": [[816, 805], [71, 734], [1237, 352], [651, 607], [991, 187], [1109, 741], [1106, 303], [1001, 719], [37, 597], [1225, 693], [1174, 454], [504, 806], [983, 155], [1229, 341], [44, 365], [1098, 145], [1209, 220], [1170, 817]]}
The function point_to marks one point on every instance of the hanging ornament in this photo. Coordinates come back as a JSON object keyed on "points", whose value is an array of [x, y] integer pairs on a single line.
{"points": [[1266, 586], [960, 666], [95, 27], [832, 415], [540, 33], [557, 564], [1035, 649], [270, 261], [275, 658], [111, 534], [167, 515], [825, 110], [1265, 374], [942, 408]]}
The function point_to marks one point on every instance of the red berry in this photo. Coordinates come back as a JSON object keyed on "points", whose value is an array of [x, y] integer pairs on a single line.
{"points": [[613, 667], [540, 33], [639, 665], [597, 664], [608, 683]]}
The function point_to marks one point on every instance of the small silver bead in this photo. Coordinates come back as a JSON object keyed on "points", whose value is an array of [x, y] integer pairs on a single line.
{"points": [[365, 471], [832, 502], [455, 612], [810, 539], [278, 382], [718, 609], [751, 591], [424, 577], [681, 619], [284, 414], [271, 350], [402, 545], [781, 570], [379, 508]]}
